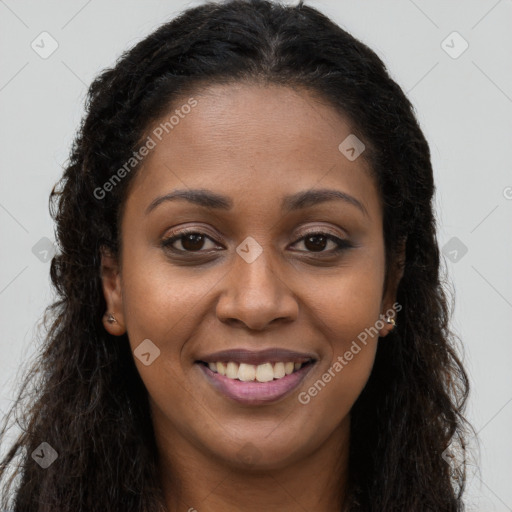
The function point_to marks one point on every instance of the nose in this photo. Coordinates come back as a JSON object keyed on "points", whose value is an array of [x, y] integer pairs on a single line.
{"points": [[256, 295]]}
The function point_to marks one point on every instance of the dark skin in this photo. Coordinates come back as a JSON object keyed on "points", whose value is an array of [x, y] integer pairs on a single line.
{"points": [[255, 145]]}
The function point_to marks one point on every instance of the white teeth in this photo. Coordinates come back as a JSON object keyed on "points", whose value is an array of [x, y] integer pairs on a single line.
{"points": [[279, 371], [232, 370], [246, 372], [265, 372]]}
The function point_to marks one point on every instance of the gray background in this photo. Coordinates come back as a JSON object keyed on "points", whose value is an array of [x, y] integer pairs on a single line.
{"points": [[464, 106]]}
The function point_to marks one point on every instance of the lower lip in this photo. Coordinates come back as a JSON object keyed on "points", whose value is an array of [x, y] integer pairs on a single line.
{"points": [[254, 393]]}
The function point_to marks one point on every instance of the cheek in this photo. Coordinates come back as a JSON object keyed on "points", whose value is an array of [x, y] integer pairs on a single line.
{"points": [[347, 302], [161, 302], [331, 394], [346, 309], [165, 305]]}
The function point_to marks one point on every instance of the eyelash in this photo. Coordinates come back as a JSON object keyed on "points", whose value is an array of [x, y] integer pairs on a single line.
{"points": [[341, 243]]}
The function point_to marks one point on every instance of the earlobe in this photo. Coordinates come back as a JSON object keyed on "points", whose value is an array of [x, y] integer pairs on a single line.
{"points": [[388, 323], [113, 318], [389, 304]]}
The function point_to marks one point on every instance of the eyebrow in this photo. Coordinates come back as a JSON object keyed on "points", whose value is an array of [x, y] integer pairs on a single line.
{"points": [[300, 200]]}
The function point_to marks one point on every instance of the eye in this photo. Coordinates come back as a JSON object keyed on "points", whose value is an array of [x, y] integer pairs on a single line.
{"points": [[191, 241], [317, 242], [194, 241]]}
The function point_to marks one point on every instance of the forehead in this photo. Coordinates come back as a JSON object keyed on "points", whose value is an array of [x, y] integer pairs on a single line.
{"points": [[249, 120], [253, 142]]}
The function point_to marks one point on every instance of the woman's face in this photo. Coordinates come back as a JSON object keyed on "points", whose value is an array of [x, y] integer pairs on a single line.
{"points": [[277, 264]]}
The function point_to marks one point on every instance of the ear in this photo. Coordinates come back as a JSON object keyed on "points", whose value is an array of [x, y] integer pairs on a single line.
{"points": [[393, 278], [111, 283]]}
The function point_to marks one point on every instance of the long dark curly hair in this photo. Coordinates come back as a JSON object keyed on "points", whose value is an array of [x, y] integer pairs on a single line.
{"points": [[83, 394]]}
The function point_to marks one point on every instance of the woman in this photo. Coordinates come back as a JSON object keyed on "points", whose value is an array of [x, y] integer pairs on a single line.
{"points": [[251, 314]]}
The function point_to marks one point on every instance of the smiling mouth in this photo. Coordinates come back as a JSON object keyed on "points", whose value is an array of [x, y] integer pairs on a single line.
{"points": [[265, 372]]}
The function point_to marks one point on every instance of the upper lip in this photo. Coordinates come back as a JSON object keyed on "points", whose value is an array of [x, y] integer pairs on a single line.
{"points": [[270, 355]]}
